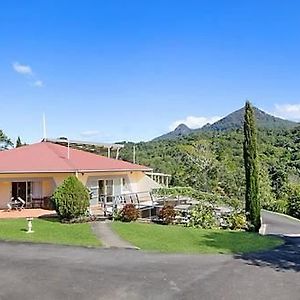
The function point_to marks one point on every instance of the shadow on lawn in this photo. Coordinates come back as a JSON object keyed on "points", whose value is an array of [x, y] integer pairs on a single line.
{"points": [[282, 259], [50, 218]]}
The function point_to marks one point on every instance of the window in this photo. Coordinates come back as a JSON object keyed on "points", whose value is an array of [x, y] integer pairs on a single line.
{"points": [[125, 187]]}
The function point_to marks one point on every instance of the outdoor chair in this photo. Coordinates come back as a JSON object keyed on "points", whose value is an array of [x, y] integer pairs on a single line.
{"points": [[11, 204], [22, 203]]}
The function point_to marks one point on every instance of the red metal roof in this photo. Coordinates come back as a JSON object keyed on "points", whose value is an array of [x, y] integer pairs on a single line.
{"points": [[49, 157]]}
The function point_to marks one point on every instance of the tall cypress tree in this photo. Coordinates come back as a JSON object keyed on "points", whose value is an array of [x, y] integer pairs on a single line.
{"points": [[252, 201]]}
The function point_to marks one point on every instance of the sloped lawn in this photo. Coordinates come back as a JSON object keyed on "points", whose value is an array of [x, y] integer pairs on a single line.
{"points": [[48, 231], [177, 239]]}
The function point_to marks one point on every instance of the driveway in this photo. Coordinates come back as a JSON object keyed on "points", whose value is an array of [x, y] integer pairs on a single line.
{"points": [[58, 272], [280, 224]]}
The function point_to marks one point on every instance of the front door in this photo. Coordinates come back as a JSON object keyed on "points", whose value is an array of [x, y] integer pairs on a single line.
{"points": [[105, 190]]}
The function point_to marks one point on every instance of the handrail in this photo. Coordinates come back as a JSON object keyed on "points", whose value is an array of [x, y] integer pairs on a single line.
{"points": [[117, 200]]}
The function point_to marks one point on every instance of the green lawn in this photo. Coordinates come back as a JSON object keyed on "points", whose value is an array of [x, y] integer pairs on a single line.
{"points": [[191, 240], [48, 231]]}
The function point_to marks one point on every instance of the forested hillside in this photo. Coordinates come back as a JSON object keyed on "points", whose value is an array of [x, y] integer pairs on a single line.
{"points": [[213, 162]]}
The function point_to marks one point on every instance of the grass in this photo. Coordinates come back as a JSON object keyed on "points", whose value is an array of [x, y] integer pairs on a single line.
{"points": [[48, 231], [177, 239]]}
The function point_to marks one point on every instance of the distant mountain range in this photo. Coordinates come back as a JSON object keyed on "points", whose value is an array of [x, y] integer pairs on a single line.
{"points": [[234, 120]]}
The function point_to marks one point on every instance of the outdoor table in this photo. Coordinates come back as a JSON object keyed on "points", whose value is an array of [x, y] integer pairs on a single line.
{"points": [[15, 204]]}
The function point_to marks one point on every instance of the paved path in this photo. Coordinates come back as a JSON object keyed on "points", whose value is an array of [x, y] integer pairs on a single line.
{"points": [[108, 237], [280, 224]]}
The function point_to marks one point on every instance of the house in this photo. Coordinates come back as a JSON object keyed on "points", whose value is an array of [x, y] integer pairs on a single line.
{"points": [[33, 172]]}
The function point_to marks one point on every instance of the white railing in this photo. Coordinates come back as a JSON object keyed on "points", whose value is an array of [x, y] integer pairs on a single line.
{"points": [[111, 203]]}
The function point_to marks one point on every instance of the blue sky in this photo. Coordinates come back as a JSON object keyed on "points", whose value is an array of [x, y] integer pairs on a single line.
{"points": [[132, 70]]}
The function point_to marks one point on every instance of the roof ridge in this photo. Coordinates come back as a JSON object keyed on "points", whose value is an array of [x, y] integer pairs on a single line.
{"points": [[65, 159]]}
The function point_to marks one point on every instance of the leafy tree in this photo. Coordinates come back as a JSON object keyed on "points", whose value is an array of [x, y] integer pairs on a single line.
{"points": [[279, 179], [71, 199], [5, 142], [252, 203], [294, 201], [19, 142], [266, 194]]}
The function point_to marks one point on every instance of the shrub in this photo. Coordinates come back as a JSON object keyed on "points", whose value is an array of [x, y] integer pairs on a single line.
{"points": [[280, 205], [128, 213], [203, 216], [236, 221], [167, 214], [71, 199]]}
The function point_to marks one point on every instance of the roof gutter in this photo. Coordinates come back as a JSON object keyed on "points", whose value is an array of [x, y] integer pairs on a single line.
{"points": [[76, 171]]}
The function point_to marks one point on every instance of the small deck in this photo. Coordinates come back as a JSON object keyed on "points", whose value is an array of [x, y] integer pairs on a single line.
{"points": [[26, 213]]}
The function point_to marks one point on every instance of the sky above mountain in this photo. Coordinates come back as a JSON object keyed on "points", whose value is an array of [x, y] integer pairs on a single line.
{"points": [[132, 70]]}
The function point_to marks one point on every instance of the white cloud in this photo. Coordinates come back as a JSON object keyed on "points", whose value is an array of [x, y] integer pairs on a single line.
{"points": [[194, 122], [38, 83], [22, 69], [288, 111], [27, 71]]}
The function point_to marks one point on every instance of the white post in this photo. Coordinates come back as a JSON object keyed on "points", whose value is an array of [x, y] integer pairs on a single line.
{"points": [[29, 225], [68, 149]]}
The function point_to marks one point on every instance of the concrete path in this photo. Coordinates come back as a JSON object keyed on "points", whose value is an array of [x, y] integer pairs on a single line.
{"points": [[108, 237]]}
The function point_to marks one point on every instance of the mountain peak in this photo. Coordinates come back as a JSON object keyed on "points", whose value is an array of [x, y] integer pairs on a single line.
{"points": [[234, 120], [182, 128], [179, 131]]}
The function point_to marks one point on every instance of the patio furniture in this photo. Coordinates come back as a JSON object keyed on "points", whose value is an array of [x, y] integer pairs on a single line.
{"points": [[22, 203], [17, 204]]}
